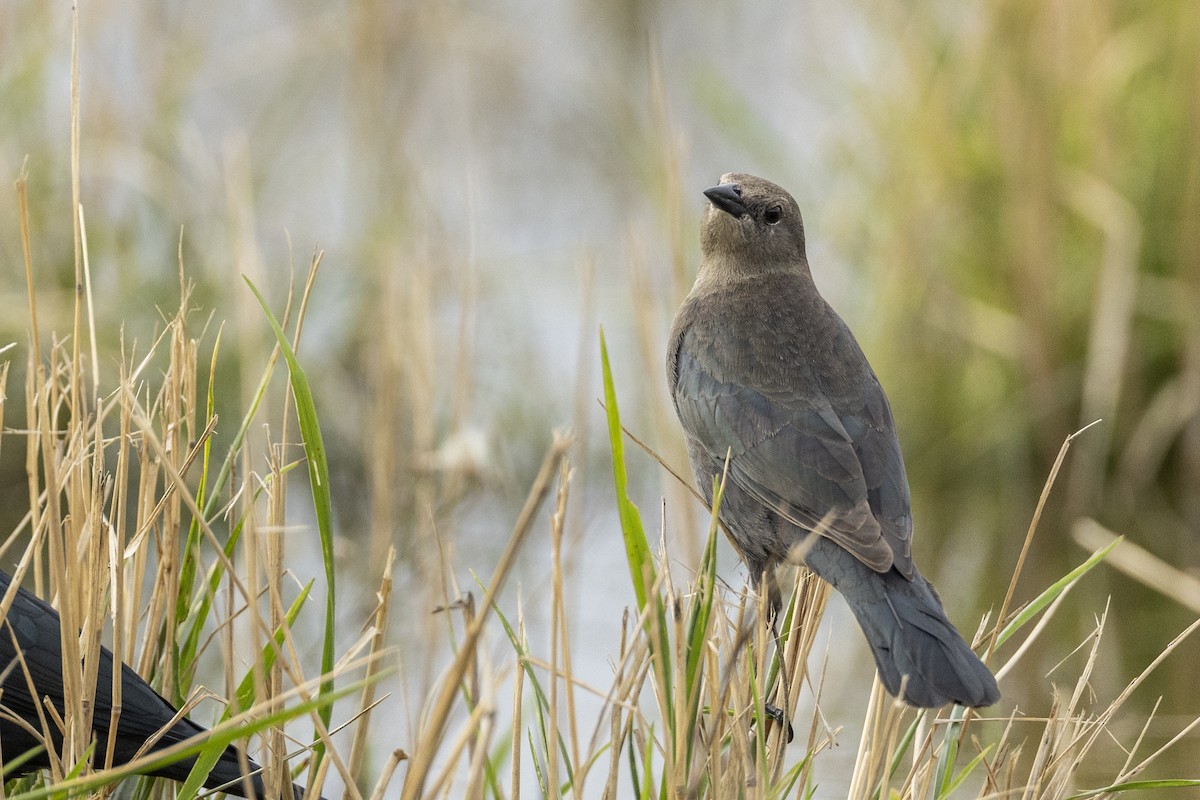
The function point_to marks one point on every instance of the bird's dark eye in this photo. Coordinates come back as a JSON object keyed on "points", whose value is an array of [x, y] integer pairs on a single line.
{"points": [[773, 215]]}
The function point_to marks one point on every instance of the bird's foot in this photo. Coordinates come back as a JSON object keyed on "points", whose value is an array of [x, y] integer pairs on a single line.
{"points": [[775, 713]]}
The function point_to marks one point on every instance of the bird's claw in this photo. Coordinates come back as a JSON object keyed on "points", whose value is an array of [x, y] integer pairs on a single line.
{"points": [[776, 714]]}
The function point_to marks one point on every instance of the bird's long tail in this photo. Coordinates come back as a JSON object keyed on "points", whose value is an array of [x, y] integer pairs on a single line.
{"points": [[915, 646]]}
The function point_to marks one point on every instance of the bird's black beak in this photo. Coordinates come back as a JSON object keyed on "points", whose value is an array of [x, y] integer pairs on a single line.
{"points": [[728, 198]]}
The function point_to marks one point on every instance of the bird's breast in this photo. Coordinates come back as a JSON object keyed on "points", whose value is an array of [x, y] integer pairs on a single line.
{"points": [[773, 338]]}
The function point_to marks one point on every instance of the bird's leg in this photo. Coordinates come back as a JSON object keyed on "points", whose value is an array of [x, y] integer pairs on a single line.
{"points": [[769, 586]]}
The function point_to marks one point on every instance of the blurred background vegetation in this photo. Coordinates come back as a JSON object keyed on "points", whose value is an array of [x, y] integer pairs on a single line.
{"points": [[1002, 198]]}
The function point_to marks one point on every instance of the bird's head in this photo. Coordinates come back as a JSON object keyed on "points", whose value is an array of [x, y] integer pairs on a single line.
{"points": [[753, 224]]}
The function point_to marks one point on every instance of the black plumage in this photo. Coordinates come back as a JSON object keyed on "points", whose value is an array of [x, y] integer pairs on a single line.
{"points": [[34, 626], [761, 367]]}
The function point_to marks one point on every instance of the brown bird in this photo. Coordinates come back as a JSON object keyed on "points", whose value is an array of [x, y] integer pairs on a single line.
{"points": [[762, 368]]}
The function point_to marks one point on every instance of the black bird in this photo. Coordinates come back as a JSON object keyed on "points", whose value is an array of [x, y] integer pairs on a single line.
{"points": [[36, 626], [761, 367]]}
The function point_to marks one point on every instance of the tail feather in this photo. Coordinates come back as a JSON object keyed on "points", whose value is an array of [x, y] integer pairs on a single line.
{"points": [[917, 650]]}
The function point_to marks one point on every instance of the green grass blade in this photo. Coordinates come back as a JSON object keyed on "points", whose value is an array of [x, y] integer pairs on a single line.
{"points": [[318, 474], [245, 690], [205, 762], [1058, 587], [541, 699], [218, 737], [185, 657], [1135, 786], [702, 610], [966, 771], [637, 548], [787, 782], [700, 620], [12, 766], [902, 748], [949, 752]]}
